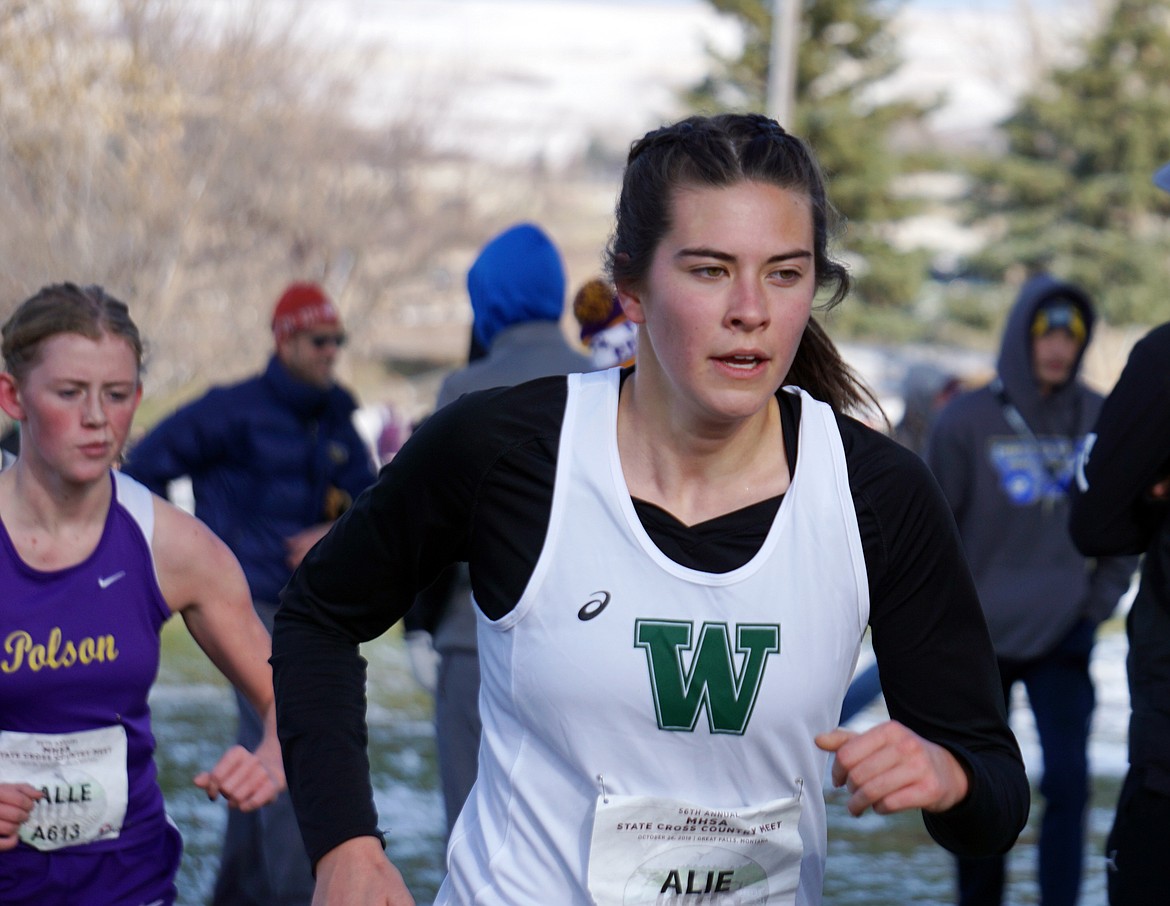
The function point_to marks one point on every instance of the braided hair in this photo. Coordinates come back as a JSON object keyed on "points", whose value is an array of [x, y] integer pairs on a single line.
{"points": [[718, 152]]}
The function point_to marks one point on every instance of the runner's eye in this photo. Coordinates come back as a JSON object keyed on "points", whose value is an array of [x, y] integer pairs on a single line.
{"points": [[787, 275]]}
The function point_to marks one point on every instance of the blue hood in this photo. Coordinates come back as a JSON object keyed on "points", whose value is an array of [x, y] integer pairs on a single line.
{"points": [[518, 277]]}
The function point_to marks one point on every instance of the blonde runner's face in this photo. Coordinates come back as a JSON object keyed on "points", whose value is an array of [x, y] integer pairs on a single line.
{"points": [[726, 299], [76, 405]]}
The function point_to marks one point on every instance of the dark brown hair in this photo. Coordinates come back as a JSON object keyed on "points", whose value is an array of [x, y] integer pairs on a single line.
{"points": [[64, 308], [721, 151]]}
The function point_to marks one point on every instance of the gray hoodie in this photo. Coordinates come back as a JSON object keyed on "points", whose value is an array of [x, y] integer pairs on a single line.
{"points": [[1007, 477]]}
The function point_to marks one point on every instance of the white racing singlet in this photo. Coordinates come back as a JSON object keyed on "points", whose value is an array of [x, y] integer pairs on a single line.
{"points": [[620, 673]]}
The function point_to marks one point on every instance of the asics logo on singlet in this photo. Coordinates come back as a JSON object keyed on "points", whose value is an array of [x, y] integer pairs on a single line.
{"points": [[723, 681], [593, 606]]}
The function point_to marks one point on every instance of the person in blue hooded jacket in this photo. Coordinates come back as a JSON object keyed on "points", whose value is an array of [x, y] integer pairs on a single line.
{"points": [[1004, 455], [273, 460], [517, 290]]}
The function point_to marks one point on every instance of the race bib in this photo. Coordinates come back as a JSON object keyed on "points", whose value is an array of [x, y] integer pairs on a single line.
{"points": [[655, 852], [83, 778]]}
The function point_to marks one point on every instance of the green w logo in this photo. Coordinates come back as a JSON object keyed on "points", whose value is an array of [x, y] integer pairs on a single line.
{"points": [[713, 680]]}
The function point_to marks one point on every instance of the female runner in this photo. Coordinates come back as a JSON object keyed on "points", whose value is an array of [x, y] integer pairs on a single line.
{"points": [[674, 566], [91, 566]]}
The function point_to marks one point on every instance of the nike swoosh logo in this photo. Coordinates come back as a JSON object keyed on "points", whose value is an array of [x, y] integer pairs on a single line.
{"points": [[107, 581]]}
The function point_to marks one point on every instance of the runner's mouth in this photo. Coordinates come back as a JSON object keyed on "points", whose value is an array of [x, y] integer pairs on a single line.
{"points": [[743, 362]]}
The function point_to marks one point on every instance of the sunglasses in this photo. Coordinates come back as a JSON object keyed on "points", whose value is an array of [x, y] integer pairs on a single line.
{"points": [[321, 340]]}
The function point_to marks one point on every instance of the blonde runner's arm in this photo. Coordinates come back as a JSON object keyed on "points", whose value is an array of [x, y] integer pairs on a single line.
{"points": [[201, 579]]}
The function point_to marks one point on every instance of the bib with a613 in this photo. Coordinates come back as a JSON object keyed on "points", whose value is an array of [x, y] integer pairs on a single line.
{"points": [[82, 778]]}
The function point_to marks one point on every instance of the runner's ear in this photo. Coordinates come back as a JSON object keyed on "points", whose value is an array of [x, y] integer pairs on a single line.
{"points": [[10, 397]]}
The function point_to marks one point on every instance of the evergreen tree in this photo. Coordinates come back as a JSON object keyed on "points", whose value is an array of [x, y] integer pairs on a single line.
{"points": [[1073, 192], [844, 48]]}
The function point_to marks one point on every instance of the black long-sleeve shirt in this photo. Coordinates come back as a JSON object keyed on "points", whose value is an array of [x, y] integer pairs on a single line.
{"points": [[1114, 512], [475, 483]]}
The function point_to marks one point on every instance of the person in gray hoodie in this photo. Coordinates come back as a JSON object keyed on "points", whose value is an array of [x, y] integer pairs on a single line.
{"points": [[1004, 455], [517, 292]]}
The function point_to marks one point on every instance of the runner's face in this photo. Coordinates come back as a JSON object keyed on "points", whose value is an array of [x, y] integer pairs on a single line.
{"points": [[76, 405], [726, 299]]}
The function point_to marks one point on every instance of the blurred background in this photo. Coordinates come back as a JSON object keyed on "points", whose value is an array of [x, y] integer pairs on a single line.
{"points": [[195, 156]]}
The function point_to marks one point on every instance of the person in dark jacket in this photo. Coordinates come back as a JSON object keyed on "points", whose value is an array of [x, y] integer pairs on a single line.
{"points": [[1004, 456], [1121, 505], [273, 460], [926, 389], [517, 292]]}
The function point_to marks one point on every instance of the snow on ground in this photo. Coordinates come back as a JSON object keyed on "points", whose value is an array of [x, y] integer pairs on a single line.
{"points": [[524, 78], [980, 56], [539, 79]]}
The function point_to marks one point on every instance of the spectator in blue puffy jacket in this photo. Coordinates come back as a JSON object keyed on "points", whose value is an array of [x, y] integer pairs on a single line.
{"points": [[273, 460]]}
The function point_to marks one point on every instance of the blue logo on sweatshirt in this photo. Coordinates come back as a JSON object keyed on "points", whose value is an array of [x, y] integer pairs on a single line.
{"points": [[1034, 471]]}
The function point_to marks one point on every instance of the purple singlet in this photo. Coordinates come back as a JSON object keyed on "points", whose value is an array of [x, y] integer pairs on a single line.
{"points": [[79, 651]]}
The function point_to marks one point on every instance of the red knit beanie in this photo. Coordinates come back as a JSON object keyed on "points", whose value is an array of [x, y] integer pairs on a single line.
{"points": [[303, 305]]}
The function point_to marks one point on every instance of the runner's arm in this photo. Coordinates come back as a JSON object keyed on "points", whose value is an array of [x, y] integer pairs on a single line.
{"points": [[938, 668], [202, 580]]}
